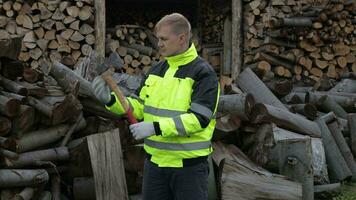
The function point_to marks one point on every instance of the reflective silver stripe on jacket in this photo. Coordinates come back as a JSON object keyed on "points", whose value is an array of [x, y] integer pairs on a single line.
{"points": [[179, 126], [200, 109], [178, 146], [161, 112]]}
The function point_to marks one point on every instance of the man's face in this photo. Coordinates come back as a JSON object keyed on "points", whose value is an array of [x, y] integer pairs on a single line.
{"points": [[169, 43]]}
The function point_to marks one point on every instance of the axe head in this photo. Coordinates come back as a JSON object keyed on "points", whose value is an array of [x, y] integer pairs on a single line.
{"points": [[113, 61]]}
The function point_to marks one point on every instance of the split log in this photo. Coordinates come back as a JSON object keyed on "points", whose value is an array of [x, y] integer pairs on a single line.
{"points": [[22, 178], [263, 148], [344, 148], [236, 104], [109, 178], [296, 163], [262, 113], [337, 166], [30, 159], [250, 83], [238, 173]]}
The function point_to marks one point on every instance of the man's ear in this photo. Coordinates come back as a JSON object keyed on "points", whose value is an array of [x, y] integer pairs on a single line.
{"points": [[182, 38]]}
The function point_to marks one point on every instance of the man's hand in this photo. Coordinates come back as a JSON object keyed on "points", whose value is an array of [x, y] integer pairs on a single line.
{"points": [[142, 130], [101, 90]]}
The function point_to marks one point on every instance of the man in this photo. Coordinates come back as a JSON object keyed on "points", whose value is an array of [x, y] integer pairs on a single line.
{"points": [[177, 103]]}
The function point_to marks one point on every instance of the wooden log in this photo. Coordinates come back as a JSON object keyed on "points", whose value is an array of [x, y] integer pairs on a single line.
{"points": [[98, 109], [344, 101], [280, 87], [263, 113], [329, 104], [238, 173], [236, 104], [344, 148], [24, 121], [39, 138], [294, 98], [84, 188], [56, 187], [11, 47], [337, 166], [13, 86], [64, 75], [45, 195], [264, 146], [9, 107], [142, 49], [296, 163], [5, 126], [30, 159], [352, 126], [22, 178], [100, 25], [250, 83], [25, 194], [327, 188], [308, 110], [109, 178], [11, 69], [345, 85]]}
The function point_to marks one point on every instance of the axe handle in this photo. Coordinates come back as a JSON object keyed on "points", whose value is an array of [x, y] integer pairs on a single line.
{"points": [[113, 86]]}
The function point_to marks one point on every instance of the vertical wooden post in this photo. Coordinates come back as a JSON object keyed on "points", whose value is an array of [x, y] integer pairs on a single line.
{"points": [[237, 38], [226, 69], [99, 27]]}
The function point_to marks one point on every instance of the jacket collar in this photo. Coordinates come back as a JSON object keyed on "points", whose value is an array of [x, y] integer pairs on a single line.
{"points": [[183, 58]]}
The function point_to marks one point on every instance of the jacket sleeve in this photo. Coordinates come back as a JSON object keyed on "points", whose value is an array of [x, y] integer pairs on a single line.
{"points": [[202, 110], [133, 100]]}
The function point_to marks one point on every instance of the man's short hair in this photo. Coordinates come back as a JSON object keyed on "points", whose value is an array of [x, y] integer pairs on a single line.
{"points": [[179, 23]]}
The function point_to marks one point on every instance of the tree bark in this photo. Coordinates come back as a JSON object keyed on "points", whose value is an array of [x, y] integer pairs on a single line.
{"points": [[236, 104], [29, 159], [22, 177], [262, 113], [296, 163], [238, 173], [344, 148], [337, 166], [250, 83]]}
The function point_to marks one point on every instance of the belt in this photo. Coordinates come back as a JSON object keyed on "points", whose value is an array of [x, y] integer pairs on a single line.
{"points": [[186, 161]]}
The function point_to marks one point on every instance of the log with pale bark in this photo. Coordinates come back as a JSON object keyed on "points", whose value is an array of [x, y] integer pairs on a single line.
{"points": [[338, 169], [250, 83], [236, 104], [241, 178], [262, 113]]}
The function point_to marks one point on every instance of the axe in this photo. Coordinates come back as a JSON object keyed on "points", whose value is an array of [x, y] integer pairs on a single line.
{"points": [[114, 61]]}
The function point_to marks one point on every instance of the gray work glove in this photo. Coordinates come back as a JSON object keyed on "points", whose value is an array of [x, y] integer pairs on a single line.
{"points": [[101, 90], [142, 130]]}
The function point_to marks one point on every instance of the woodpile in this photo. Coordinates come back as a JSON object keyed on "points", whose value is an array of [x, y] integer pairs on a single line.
{"points": [[300, 39], [136, 46], [57, 30]]}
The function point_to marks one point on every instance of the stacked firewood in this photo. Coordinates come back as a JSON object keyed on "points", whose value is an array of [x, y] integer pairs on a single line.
{"points": [[292, 130], [300, 39], [54, 29], [136, 45]]}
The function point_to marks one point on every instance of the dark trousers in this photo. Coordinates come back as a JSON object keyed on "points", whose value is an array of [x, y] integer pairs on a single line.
{"points": [[166, 183]]}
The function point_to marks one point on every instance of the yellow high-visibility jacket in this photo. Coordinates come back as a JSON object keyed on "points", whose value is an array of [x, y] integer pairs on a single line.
{"points": [[180, 96]]}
